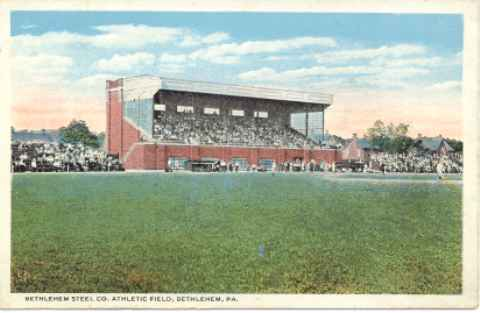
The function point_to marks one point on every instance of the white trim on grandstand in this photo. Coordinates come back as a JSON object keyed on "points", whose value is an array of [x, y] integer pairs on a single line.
{"points": [[145, 86], [201, 145]]}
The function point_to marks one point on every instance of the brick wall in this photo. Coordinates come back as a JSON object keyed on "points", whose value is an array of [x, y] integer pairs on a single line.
{"points": [[114, 121], [130, 135], [136, 159], [150, 156], [121, 135]]}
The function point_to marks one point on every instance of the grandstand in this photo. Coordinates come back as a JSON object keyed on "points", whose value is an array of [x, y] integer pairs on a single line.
{"points": [[159, 123]]}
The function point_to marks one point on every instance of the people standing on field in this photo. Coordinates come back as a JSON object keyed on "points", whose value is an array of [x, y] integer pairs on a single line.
{"points": [[440, 169]]}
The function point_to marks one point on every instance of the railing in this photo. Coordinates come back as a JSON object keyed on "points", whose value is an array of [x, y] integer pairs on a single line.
{"points": [[157, 140]]}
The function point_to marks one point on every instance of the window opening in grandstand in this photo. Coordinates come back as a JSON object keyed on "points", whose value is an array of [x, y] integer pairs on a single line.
{"points": [[184, 109], [260, 114], [238, 113], [309, 124], [315, 126], [211, 111], [160, 107], [297, 122], [139, 112], [177, 163], [266, 164], [241, 163]]}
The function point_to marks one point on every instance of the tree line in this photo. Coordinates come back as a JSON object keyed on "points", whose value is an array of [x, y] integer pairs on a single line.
{"points": [[394, 138], [390, 138]]}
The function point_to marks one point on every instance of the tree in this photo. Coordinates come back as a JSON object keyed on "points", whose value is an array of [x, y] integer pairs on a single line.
{"points": [[377, 135], [78, 132], [457, 145], [390, 138]]}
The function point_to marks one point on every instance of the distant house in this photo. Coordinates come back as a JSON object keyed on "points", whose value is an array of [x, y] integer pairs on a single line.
{"points": [[44, 136], [358, 150], [434, 145]]}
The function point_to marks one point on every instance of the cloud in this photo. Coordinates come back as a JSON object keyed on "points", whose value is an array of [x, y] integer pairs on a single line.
{"points": [[172, 58], [269, 74], [446, 85], [170, 68], [395, 51], [28, 26], [216, 38], [458, 58], [28, 44], [228, 53], [277, 58], [40, 69], [133, 36], [95, 80], [92, 86], [123, 36], [424, 62], [264, 73], [340, 77], [195, 40], [172, 63], [127, 62]]}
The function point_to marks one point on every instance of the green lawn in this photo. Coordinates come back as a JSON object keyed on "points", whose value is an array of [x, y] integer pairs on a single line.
{"points": [[156, 232]]}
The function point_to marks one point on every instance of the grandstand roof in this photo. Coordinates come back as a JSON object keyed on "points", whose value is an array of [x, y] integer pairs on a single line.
{"points": [[146, 85]]}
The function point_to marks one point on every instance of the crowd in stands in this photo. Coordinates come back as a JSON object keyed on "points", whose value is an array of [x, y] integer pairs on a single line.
{"points": [[194, 128], [416, 162], [59, 157]]}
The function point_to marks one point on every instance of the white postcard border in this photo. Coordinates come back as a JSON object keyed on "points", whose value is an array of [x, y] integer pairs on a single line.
{"points": [[469, 298]]}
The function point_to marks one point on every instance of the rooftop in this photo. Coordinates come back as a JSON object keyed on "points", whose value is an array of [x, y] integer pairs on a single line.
{"points": [[434, 143], [146, 85]]}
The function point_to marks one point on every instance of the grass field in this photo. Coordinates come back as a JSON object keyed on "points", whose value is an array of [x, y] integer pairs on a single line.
{"points": [[245, 233]]}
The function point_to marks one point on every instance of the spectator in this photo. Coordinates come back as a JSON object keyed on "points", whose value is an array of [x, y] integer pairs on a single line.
{"points": [[48, 157], [416, 162], [193, 128]]}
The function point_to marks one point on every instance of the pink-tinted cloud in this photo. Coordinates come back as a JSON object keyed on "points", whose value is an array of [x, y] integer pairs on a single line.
{"points": [[355, 113], [52, 110]]}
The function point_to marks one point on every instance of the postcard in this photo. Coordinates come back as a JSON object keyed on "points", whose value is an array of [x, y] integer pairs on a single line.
{"points": [[235, 154]]}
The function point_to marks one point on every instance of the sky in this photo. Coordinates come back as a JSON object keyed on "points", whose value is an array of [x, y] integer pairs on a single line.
{"points": [[393, 67]]}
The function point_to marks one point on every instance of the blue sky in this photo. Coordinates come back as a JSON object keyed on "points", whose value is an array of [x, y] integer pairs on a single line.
{"points": [[410, 59], [435, 30]]}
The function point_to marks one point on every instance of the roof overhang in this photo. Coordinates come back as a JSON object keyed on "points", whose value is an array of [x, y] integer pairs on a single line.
{"points": [[141, 87]]}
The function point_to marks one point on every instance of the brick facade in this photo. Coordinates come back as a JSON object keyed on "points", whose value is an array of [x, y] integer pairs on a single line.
{"points": [[114, 121], [152, 156], [121, 135]]}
